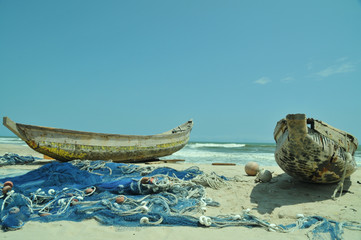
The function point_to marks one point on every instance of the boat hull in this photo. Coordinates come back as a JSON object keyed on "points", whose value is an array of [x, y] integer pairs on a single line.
{"points": [[316, 152], [67, 145]]}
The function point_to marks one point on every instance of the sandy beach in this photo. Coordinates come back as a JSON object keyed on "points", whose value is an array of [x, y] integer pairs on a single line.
{"points": [[278, 202]]}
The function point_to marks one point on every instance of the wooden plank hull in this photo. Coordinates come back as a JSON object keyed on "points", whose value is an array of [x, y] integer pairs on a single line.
{"points": [[67, 145], [316, 152]]}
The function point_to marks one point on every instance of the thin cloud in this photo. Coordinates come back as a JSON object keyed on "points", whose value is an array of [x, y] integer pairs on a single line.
{"points": [[263, 81], [336, 69], [287, 79]]}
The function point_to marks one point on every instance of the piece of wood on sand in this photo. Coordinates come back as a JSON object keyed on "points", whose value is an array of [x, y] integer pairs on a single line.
{"points": [[224, 164], [165, 161]]}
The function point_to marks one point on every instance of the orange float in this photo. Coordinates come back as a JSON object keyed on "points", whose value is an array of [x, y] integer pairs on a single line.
{"points": [[147, 180], [89, 190], [44, 214], [74, 201], [9, 183], [119, 199], [6, 189]]}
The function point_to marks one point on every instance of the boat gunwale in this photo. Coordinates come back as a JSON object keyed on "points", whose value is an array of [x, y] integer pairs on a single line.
{"points": [[282, 126], [188, 125]]}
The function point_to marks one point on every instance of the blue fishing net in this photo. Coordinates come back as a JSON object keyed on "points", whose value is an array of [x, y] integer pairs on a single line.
{"points": [[12, 159], [129, 195], [112, 193]]}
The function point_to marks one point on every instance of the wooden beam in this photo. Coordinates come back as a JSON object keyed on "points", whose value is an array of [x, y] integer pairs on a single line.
{"points": [[11, 125]]}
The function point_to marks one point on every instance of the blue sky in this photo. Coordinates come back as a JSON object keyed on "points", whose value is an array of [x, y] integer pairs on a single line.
{"points": [[143, 67]]}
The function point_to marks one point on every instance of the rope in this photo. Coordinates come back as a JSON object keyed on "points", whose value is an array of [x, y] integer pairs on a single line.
{"points": [[91, 166], [145, 220], [11, 195], [210, 180], [174, 202], [7, 197], [348, 157], [238, 178]]}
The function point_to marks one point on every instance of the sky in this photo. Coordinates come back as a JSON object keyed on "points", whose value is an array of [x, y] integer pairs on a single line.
{"points": [[143, 67]]}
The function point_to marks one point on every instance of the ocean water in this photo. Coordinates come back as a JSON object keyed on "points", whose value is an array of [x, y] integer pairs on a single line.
{"points": [[217, 152], [12, 140]]}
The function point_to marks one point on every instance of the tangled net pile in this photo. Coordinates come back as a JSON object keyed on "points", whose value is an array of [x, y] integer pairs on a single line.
{"points": [[14, 159], [128, 195]]}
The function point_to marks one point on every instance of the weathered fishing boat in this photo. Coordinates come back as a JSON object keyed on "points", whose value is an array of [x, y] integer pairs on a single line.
{"points": [[67, 145], [313, 151]]}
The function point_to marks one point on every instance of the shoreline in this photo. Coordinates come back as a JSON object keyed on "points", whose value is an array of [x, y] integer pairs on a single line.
{"points": [[278, 202]]}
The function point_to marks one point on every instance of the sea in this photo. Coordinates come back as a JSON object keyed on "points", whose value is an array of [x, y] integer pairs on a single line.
{"points": [[217, 152]]}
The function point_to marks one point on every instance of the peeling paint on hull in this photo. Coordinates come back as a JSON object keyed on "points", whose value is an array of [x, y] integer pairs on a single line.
{"points": [[67, 145], [318, 153]]}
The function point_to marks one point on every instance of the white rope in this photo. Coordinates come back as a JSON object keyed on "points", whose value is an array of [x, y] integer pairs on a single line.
{"points": [[9, 194], [13, 194], [210, 180], [145, 220], [348, 157], [205, 221], [90, 166]]}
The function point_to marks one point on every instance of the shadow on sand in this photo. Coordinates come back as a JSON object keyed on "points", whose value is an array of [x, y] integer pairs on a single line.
{"points": [[284, 190]]}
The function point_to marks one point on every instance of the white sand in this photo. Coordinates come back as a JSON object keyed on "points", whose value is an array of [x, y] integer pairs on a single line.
{"points": [[277, 202]]}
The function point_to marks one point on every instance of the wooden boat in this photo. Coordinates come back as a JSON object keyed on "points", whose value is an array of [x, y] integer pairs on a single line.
{"points": [[67, 145], [316, 152]]}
